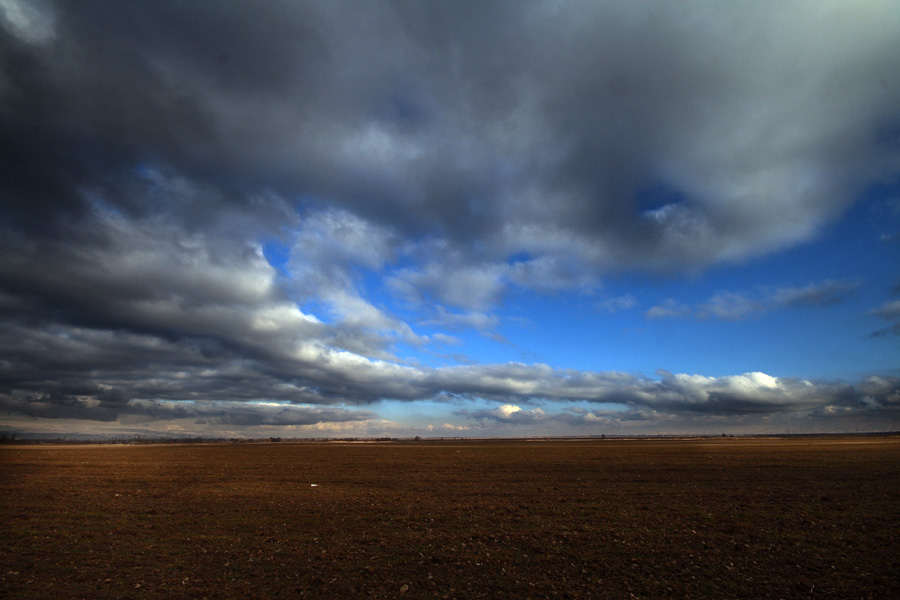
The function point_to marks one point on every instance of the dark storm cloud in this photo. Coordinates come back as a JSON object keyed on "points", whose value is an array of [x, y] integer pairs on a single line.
{"points": [[150, 149], [95, 405], [630, 130], [54, 405]]}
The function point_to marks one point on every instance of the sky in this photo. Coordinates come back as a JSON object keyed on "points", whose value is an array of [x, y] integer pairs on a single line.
{"points": [[398, 218]]}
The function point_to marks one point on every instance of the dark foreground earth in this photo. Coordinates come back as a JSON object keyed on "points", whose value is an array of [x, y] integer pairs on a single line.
{"points": [[714, 518]]}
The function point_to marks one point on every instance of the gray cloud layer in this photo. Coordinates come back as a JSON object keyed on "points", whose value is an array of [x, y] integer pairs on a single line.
{"points": [[652, 135], [455, 149]]}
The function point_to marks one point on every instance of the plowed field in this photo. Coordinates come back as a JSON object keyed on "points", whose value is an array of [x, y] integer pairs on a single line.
{"points": [[715, 518]]}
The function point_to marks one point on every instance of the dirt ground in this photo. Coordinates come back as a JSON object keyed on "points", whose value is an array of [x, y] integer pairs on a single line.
{"points": [[714, 518]]}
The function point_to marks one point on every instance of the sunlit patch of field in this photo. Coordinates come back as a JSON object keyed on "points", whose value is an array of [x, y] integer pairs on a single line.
{"points": [[747, 518]]}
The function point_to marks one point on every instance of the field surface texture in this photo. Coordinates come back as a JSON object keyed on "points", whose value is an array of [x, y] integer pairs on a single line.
{"points": [[714, 518]]}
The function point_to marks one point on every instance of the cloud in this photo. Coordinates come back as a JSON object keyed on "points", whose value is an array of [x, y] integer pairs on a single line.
{"points": [[459, 153], [475, 320], [674, 394], [889, 311], [330, 249], [454, 428], [886, 218], [73, 373], [32, 22], [506, 413], [393, 115], [443, 338], [449, 280], [825, 293], [153, 279], [680, 402], [617, 303], [246, 414], [668, 308], [736, 306], [112, 405], [332, 239], [729, 306], [552, 273]]}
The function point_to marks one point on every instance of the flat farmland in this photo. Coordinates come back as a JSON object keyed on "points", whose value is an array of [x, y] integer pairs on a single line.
{"points": [[722, 518]]}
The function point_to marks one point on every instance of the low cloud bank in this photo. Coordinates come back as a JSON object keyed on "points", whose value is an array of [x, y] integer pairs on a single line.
{"points": [[668, 401]]}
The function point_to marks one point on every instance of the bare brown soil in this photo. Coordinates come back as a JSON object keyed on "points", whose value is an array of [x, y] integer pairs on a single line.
{"points": [[718, 518]]}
